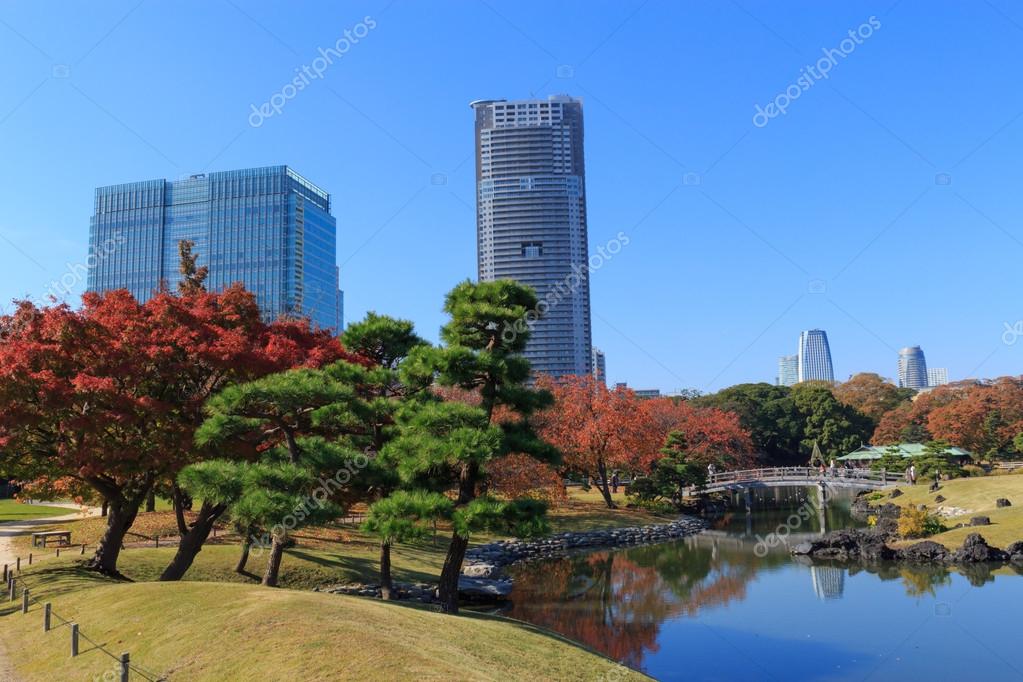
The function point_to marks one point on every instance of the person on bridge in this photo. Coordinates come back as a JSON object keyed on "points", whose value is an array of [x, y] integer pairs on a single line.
{"points": [[711, 469]]}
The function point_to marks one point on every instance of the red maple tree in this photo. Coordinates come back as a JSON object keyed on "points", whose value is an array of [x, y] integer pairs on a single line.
{"points": [[111, 394]]}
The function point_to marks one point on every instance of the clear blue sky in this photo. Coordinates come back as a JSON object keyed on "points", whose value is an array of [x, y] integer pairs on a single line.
{"points": [[829, 216]]}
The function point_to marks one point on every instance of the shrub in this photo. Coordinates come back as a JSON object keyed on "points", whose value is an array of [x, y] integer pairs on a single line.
{"points": [[917, 523], [973, 470]]}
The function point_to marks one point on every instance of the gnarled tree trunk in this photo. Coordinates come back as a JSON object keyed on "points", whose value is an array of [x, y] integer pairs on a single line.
{"points": [[448, 587], [385, 570], [192, 541], [243, 559], [123, 503], [604, 485]]}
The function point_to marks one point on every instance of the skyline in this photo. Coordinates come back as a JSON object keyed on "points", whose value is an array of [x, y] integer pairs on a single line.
{"points": [[740, 235]]}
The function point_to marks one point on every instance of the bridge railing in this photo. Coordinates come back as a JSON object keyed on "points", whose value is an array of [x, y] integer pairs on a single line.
{"points": [[809, 474]]}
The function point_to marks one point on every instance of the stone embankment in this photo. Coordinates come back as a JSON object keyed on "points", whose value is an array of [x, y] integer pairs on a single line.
{"points": [[483, 576]]}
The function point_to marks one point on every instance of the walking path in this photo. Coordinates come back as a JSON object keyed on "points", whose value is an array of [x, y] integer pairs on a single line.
{"points": [[12, 529]]}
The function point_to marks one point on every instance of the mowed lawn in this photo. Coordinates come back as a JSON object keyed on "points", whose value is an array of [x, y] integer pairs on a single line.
{"points": [[12, 510], [218, 631], [977, 495]]}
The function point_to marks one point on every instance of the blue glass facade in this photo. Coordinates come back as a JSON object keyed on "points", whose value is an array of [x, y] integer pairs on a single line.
{"points": [[268, 228]]}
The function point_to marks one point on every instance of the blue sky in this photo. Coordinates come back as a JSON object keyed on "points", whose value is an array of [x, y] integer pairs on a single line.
{"points": [[884, 206]]}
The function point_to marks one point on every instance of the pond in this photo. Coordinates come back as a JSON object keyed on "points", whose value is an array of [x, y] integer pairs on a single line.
{"points": [[730, 604]]}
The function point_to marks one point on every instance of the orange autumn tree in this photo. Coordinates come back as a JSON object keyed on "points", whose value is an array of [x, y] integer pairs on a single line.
{"points": [[712, 436], [597, 430]]}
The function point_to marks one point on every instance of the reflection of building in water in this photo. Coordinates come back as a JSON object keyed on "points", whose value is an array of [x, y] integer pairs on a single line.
{"points": [[828, 582]]}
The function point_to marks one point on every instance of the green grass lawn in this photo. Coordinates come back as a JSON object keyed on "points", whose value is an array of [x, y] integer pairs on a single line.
{"points": [[978, 495], [204, 631], [12, 510]]}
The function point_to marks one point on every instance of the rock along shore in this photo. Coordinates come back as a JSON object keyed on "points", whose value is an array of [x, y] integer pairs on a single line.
{"points": [[483, 576]]}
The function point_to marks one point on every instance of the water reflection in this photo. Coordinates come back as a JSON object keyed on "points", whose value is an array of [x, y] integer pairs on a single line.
{"points": [[632, 604]]}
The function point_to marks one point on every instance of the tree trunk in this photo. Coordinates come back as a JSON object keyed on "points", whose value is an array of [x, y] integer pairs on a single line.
{"points": [[243, 560], [179, 510], [273, 565], [121, 514], [385, 570], [151, 502], [604, 485], [192, 541], [448, 587], [105, 509]]}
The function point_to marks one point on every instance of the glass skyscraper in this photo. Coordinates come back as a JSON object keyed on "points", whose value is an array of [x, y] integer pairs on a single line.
{"points": [[268, 228], [788, 370], [599, 367], [814, 356], [912, 368], [531, 220]]}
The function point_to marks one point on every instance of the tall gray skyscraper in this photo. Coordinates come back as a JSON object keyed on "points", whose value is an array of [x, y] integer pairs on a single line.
{"points": [[814, 356], [912, 368], [788, 370], [268, 228], [531, 220], [599, 367]]}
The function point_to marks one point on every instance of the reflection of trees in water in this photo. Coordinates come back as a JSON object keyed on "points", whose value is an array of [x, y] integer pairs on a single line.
{"points": [[919, 580], [615, 602]]}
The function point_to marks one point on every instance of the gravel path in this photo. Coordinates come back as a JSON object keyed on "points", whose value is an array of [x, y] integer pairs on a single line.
{"points": [[11, 529]]}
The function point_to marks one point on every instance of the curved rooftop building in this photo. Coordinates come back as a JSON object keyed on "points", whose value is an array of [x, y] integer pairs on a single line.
{"points": [[912, 368], [814, 356]]}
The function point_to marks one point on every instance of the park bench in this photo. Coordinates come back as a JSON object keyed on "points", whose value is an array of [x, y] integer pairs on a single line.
{"points": [[63, 538]]}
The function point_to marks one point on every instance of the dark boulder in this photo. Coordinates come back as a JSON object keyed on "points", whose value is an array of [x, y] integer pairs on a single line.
{"points": [[1015, 551], [975, 549], [980, 521], [939, 499], [924, 552], [895, 493], [1002, 502]]}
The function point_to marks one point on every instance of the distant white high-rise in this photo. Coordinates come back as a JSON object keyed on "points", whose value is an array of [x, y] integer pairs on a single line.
{"points": [[599, 367], [814, 357], [912, 368], [937, 376], [788, 370]]}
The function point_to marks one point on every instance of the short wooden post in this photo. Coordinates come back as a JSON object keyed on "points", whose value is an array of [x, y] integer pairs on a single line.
{"points": [[74, 639], [24, 600], [58, 552], [83, 548], [124, 666], [47, 611], [30, 558], [158, 542], [5, 572], [11, 585], [17, 564]]}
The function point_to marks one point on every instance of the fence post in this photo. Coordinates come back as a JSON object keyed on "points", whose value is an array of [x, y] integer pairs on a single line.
{"points": [[158, 542], [11, 585], [124, 666], [17, 564], [47, 608], [83, 548], [58, 552], [5, 572], [74, 639], [24, 600], [30, 558]]}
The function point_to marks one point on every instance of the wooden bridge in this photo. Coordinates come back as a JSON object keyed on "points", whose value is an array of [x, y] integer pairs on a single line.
{"points": [[777, 477]]}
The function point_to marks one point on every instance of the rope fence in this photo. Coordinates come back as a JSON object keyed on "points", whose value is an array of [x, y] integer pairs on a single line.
{"points": [[124, 666]]}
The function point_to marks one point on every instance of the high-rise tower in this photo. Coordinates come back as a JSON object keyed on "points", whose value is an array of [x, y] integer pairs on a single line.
{"points": [[814, 356], [912, 368], [268, 228], [788, 370], [531, 220]]}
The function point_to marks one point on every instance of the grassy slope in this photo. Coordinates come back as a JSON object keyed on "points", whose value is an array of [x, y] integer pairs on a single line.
{"points": [[205, 631], [12, 510], [977, 495]]}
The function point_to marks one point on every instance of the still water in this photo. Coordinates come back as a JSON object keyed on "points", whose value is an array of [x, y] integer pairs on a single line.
{"points": [[723, 606]]}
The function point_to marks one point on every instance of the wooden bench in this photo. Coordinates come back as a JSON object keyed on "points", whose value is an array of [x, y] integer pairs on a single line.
{"points": [[63, 538]]}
